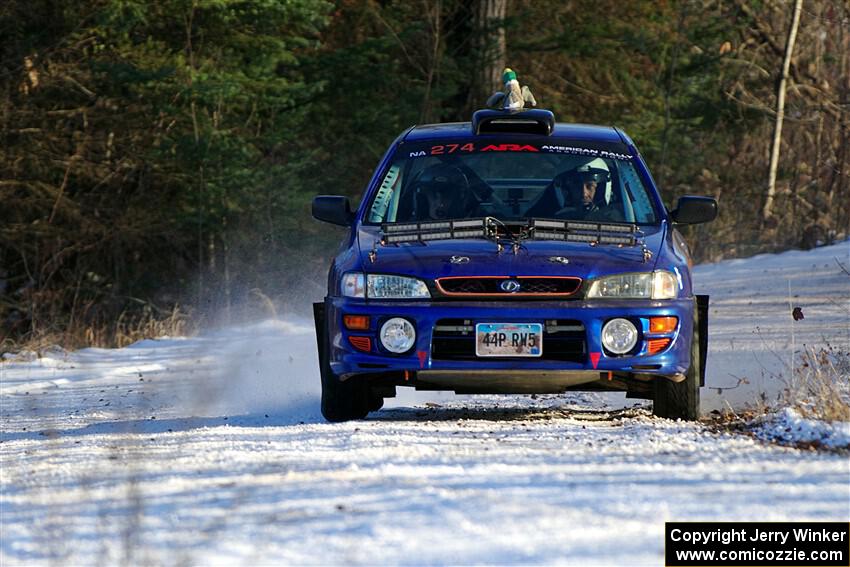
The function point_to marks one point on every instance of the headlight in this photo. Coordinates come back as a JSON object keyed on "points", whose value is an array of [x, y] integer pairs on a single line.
{"points": [[395, 287], [383, 287], [648, 285]]}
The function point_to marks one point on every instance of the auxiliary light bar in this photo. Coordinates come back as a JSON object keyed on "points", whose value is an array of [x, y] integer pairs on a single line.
{"points": [[541, 229], [591, 232], [439, 230], [581, 225]]}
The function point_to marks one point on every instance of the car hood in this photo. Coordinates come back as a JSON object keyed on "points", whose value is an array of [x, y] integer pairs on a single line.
{"points": [[479, 257]]}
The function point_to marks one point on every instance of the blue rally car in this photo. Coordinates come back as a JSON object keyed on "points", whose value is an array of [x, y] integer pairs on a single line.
{"points": [[511, 254]]}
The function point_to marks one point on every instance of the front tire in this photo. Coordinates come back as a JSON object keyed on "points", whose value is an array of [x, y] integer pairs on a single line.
{"points": [[341, 400], [680, 400], [376, 402]]}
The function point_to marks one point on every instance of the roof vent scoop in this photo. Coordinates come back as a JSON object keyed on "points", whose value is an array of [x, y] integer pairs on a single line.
{"points": [[537, 121]]}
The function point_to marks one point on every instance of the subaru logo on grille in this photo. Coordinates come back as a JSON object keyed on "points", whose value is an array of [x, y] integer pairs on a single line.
{"points": [[510, 286]]}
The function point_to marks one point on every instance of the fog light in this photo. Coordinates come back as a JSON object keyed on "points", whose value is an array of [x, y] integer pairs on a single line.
{"points": [[398, 335], [619, 336]]}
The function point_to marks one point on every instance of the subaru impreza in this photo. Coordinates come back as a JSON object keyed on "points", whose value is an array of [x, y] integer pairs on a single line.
{"points": [[511, 254]]}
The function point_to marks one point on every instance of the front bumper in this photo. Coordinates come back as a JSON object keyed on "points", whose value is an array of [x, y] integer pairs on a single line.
{"points": [[346, 360]]}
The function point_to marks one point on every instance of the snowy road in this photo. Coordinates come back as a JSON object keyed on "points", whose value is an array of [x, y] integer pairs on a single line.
{"points": [[211, 450]]}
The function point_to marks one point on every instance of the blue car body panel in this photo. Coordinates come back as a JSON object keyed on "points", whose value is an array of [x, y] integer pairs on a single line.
{"points": [[362, 251], [346, 361]]}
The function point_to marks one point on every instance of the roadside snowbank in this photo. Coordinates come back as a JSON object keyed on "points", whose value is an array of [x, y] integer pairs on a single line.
{"points": [[788, 427]]}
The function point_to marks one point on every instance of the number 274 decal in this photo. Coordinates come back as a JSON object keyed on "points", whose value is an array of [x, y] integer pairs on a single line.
{"points": [[469, 147], [451, 148]]}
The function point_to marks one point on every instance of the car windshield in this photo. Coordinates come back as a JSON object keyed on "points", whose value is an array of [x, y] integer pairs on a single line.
{"points": [[558, 179]]}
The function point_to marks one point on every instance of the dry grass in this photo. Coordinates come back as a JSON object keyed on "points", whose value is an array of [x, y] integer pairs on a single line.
{"points": [[819, 389], [820, 385], [127, 328]]}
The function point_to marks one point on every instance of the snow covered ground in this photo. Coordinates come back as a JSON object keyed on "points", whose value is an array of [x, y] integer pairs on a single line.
{"points": [[212, 450], [755, 344]]}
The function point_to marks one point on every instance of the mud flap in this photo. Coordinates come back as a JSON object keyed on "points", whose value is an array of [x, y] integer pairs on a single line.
{"points": [[702, 313], [319, 321]]}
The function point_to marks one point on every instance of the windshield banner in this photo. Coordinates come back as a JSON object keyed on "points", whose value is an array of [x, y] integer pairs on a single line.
{"points": [[478, 147]]}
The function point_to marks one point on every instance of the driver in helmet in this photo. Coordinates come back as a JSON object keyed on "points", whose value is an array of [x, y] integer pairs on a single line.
{"points": [[578, 187], [443, 192], [577, 194]]}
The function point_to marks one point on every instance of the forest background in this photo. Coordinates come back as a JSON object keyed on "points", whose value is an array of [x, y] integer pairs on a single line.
{"points": [[158, 158]]}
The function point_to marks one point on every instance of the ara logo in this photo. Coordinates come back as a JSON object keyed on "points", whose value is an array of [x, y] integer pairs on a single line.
{"points": [[509, 148], [418, 154]]}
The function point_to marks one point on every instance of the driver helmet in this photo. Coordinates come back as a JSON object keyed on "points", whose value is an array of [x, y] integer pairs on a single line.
{"points": [[442, 192], [573, 181]]}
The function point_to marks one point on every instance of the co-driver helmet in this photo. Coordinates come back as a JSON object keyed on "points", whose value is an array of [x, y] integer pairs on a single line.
{"points": [[442, 191]]}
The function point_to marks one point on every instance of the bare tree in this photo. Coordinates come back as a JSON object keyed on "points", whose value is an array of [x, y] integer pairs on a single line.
{"points": [[489, 48], [435, 18], [780, 112]]}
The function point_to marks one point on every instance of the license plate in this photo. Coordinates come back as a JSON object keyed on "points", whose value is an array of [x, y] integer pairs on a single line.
{"points": [[508, 339]]}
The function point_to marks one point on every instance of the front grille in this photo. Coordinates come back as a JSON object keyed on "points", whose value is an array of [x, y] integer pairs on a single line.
{"points": [[491, 286], [563, 339], [468, 286]]}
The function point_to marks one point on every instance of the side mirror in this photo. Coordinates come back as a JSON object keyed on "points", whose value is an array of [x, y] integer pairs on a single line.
{"points": [[694, 210], [333, 209]]}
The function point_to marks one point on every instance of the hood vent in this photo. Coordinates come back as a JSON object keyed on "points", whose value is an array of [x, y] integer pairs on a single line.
{"points": [[537, 121]]}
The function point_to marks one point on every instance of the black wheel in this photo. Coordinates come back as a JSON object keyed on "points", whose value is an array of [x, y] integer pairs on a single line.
{"points": [[376, 401], [341, 400], [680, 400]]}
